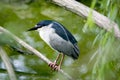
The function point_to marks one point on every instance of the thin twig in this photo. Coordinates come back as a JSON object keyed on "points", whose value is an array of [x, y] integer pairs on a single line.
{"points": [[40, 55], [82, 10], [8, 65]]}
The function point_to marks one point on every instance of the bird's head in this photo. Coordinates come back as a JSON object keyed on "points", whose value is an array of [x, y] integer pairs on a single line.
{"points": [[41, 24]]}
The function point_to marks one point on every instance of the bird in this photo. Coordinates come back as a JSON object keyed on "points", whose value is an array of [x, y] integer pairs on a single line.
{"points": [[59, 39]]}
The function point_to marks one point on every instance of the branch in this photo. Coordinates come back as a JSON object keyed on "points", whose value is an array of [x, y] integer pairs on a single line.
{"points": [[7, 63], [42, 57], [82, 10]]}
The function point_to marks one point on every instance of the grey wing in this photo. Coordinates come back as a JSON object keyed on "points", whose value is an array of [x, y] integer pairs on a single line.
{"points": [[64, 33], [66, 43]]}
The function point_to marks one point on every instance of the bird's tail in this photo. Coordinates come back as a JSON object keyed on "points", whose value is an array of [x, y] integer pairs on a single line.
{"points": [[76, 53]]}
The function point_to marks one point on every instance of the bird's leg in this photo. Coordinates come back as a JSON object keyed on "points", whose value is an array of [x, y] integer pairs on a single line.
{"points": [[59, 66], [57, 58], [53, 64]]}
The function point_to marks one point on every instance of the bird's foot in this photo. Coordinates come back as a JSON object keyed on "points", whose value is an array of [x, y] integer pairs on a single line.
{"points": [[54, 66]]}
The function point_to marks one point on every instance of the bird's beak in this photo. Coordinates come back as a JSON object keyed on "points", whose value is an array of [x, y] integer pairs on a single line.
{"points": [[34, 28]]}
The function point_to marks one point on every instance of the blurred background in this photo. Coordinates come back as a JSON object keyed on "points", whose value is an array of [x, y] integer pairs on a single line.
{"points": [[99, 50]]}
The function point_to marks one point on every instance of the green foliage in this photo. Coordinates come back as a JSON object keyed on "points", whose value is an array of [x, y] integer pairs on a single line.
{"points": [[18, 17], [108, 50], [98, 47]]}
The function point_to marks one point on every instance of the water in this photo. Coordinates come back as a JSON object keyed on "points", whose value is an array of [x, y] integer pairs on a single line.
{"points": [[18, 17]]}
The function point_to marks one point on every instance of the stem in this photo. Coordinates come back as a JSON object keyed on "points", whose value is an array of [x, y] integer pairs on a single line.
{"points": [[8, 65]]}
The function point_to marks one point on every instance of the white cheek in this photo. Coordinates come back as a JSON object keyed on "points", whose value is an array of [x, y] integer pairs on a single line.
{"points": [[39, 29]]}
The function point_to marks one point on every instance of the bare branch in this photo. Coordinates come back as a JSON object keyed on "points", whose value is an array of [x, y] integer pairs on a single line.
{"points": [[82, 10], [40, 55]]}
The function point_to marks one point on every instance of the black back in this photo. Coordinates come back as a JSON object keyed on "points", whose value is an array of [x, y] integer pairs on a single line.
{"points": [[63, 32]]}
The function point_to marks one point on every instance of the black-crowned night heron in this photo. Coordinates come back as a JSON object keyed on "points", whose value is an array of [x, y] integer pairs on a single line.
{"points": [[59, 39]]}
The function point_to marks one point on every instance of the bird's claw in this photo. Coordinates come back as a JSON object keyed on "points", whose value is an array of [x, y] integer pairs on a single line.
{"points": [[54, 66]]}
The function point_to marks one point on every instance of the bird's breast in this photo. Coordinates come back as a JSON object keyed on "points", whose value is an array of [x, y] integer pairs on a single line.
{"points": [[45, 33]]}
